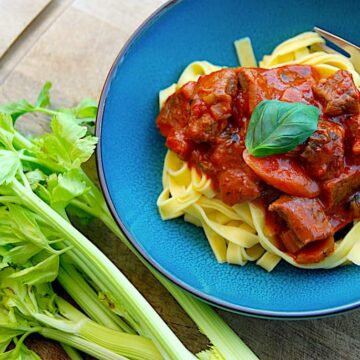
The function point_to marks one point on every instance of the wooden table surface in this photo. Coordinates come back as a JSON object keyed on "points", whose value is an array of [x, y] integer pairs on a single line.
{"points": [[73, 44]]}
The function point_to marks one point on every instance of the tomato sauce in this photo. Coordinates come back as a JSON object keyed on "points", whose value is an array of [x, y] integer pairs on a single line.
{"points": [[307, 193]]}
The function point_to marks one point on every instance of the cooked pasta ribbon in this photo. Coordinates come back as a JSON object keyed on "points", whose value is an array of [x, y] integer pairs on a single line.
{"points": [[308, 49], [245, 52], [194, 70], [238, 234]]}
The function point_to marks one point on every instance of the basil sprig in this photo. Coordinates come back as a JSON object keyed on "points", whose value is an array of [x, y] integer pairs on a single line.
{"points": [[277, 127]]}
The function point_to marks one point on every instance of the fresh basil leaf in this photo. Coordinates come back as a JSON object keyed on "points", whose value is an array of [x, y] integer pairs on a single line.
{"points": [[17, 109], [277, 127], [43, 99]]}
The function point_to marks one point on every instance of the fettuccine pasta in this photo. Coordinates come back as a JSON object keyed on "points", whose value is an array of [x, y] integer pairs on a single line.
{"points": [[238, 234]]}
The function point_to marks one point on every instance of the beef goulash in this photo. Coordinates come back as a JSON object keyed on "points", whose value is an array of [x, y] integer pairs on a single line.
{"points": [[310, 193]]}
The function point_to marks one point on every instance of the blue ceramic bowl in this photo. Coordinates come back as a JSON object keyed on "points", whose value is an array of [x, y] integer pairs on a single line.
{"points": [[131, 150]]}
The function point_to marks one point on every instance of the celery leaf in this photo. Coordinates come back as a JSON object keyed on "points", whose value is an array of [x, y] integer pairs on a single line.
{"points": [[7, 131], [45, 271], [69, 186], [17, 109], [43, 99], [24, 225], [84, 112], [21, 254], [67, 144], [9, 165], [35, 178]]}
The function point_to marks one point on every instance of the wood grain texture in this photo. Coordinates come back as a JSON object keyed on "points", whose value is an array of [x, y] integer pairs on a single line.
{"points": [[74, 46], [16, 15]]}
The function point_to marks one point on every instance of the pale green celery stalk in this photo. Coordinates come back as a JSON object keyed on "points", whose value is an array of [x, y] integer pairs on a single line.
{"points": [[21, 142], [225, 340], [71, 352], [83, 345], [44, 163], [81, 292], [109, 278], [9, 199], [77, 257], [131, 346], [124, 344], [46, 111]]}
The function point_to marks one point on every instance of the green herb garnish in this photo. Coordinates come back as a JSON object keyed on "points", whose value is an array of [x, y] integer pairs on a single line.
{"points": [[277, 127]]}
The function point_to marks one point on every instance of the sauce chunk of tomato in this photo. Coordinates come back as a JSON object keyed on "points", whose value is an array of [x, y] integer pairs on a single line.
{"points": [[283, 173]]}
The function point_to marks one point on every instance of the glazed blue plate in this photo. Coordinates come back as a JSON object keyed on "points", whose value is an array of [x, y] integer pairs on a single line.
{"points": [[131, 150]]}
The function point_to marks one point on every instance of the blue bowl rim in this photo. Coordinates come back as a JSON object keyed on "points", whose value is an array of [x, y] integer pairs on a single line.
{"points": [[244, 310]]}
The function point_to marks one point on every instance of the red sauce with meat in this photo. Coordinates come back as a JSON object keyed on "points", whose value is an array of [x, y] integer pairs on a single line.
{"points": [[309, 193]]}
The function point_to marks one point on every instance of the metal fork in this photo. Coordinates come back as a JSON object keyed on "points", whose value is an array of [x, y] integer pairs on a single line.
{"points": [[348, 47]]}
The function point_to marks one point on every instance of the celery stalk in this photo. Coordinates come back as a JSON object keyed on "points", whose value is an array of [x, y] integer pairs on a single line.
{"points": [[112, 280], [83, 345], [86, 298], [71, 352], [224, 339], [133, 346]]}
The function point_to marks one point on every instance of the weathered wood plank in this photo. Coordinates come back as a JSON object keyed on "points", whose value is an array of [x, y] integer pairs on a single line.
{"points": [[16, 15]]}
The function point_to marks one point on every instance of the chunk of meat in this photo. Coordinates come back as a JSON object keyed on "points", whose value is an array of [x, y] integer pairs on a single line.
{"points": [[291, 241], [340, 218], [175, 113], [316, 251], [305, 217], [310, 253], [339, 94], [292, 95], [289, 83], [236, 186], [284, 174], [239, 112], [337, 191], [227, 150], [178, 142], [199, 158], [324, 151], [253, 87], [211, 106], [353, 128]]}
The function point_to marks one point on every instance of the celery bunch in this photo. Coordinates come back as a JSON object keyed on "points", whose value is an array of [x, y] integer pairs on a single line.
{"points": [[41, 183]]}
